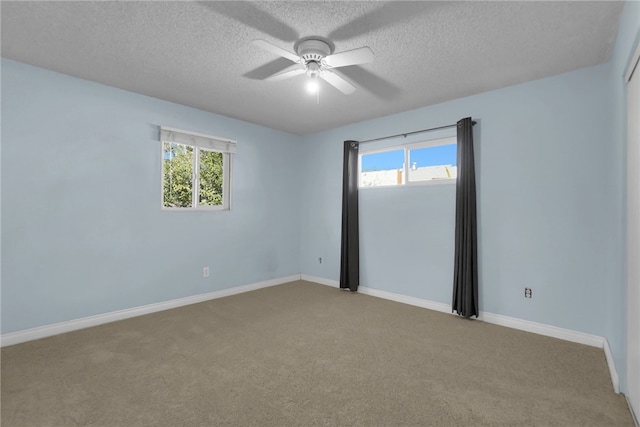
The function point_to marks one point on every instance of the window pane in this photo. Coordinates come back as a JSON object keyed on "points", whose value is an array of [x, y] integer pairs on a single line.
{"points": [[383, 168], [178, 175], [211, 173], [428, 163]]}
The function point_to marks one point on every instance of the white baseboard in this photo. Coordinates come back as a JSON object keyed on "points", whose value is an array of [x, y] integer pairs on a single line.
{"points": [[612, 367], [419, 302], [510, 322], [633, 414], [497, 319], [542, 329], [86, 322], [320, 280]]}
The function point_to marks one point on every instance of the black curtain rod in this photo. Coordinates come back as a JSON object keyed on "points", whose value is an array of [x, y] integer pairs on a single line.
{"points": [[411, 133]]}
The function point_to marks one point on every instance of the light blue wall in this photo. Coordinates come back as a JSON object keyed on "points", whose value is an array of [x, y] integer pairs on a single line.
{"points": [[82, 229], [548, 213]]}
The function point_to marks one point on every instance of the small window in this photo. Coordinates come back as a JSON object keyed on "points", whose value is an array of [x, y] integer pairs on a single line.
{"points": [[196, 170], [410, 164]]}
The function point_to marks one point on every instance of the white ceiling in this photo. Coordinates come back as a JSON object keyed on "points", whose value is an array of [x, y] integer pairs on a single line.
{"points": [[200, 53]]}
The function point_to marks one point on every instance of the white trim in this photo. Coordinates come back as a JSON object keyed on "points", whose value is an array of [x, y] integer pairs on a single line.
{"points": [[633, 65], [398, 147], [633, 414], [418, 302], [443, 140], [611, 364], [543, 329], [320, 280], [497, 319], [166, 134], [446, 140], [204, 135], [17, 337]]}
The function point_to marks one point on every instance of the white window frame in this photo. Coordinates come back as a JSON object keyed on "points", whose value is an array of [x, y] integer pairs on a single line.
{"points": [[199, 141], [406, 165]]}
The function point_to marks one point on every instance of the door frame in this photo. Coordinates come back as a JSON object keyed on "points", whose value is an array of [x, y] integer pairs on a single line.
{"points": [[633, 240]]}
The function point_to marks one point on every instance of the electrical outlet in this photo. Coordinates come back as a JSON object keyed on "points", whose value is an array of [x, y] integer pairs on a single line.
{"points": [[320, 260], [527, 292], [205, 272]]}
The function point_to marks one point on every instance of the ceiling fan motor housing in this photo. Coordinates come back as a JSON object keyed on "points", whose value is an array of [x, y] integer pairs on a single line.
{"points": [[313, 50]]}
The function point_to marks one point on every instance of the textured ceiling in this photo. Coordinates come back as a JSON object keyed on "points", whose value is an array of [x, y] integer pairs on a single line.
{"points": [[200, 53]]}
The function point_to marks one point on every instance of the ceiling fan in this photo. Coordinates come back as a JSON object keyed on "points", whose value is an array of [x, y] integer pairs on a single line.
{"points": [[314, 56]]}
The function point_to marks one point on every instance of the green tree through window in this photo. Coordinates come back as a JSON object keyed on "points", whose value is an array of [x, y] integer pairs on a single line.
{"points": [[196, 170], [210, 178], [178, 175], [179, 163]]}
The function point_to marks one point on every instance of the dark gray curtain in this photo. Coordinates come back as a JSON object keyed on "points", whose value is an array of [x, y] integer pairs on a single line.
{"points": [[349, 250], [465, 274]]}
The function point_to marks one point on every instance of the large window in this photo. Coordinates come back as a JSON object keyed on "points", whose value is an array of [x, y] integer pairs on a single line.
{"points": [[409, 164], [196, 170]]}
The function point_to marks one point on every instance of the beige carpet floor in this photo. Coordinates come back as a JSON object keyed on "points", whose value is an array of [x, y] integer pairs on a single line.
{"points": [[305, 354]]}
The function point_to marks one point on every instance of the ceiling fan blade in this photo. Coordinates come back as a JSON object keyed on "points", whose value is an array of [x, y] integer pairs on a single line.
{"points": [[368, 81], [277, 50], [338, 81], [287, 73], [386, 15], [253, 16], [268, 69], [362, 55]]}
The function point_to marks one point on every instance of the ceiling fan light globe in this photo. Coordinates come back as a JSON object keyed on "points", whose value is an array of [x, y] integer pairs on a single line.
{"points": [[313, 86]]}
